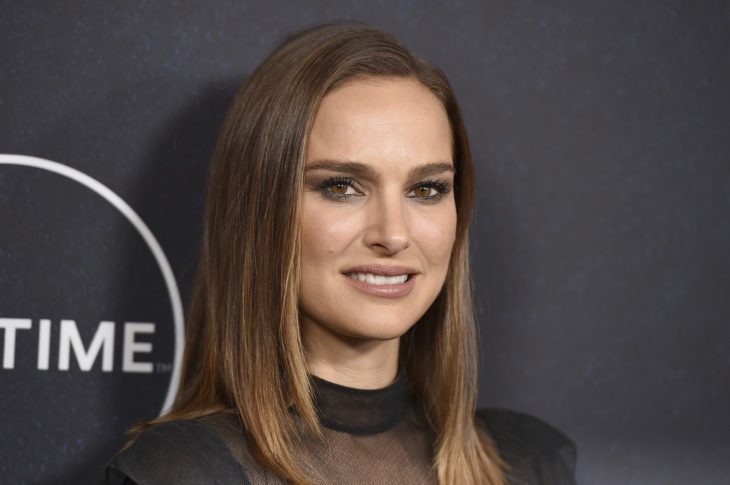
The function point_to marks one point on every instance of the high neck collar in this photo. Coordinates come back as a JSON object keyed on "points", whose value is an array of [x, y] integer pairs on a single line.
{"points": [[360, 411]]}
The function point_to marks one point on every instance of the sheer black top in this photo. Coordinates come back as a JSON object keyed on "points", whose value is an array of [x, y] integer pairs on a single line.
{"points": [[370, 437]]}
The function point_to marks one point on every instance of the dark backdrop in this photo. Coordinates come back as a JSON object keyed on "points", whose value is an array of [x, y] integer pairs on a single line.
{"points": [[601, 241]]}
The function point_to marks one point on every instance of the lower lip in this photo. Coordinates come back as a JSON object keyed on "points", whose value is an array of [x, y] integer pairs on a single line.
{"points": [[397, 290]]}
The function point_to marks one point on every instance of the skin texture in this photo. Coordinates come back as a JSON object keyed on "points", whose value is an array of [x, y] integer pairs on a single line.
{"points": [[384, 213]]}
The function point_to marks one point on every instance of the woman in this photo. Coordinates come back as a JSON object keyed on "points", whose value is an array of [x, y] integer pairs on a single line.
{"points": [[330, 337]]}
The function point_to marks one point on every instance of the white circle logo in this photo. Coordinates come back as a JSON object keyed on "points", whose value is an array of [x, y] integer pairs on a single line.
{"points": [[11, 325]]}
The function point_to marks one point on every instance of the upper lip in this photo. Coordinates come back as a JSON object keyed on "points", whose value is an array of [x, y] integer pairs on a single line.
{"points": [[380, 269]]}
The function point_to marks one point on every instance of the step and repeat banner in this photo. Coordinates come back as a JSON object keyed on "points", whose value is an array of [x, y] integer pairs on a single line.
{"points": [[601, 239]]}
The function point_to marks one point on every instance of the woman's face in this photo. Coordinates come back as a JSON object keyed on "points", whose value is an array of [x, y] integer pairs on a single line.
{"points": [[378, 215]]}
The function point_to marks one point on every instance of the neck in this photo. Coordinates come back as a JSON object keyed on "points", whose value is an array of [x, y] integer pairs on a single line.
{"points": [[350, 361]]}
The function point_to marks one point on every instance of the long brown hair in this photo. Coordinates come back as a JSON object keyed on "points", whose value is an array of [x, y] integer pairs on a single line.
{"points": [[243, 347]]}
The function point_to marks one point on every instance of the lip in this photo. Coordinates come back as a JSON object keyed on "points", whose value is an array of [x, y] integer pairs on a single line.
{"points": [[381, 269], [398, 290]]}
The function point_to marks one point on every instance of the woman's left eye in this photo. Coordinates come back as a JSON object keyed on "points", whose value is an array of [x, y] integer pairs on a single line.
{"points": [[424, 191], [431, 190]]}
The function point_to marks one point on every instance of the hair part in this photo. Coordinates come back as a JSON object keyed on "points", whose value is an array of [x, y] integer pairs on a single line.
{"points": [[243, 346]]}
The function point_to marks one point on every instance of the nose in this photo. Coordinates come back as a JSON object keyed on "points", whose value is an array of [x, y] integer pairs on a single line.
{"points": [[387, 230]]}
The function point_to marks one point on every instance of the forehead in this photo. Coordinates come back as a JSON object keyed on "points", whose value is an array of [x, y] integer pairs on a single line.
{"points": [[390, 123]]}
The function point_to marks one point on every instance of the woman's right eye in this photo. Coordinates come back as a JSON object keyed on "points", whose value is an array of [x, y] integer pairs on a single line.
{"points": [[338, 188]]}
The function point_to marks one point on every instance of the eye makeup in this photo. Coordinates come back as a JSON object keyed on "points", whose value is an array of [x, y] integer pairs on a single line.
{"points": [[441, 188], [338, 188], [341, 188]]}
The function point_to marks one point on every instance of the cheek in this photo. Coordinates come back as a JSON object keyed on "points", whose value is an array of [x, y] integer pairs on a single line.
{"points": [[435, 235], [326, 233]]}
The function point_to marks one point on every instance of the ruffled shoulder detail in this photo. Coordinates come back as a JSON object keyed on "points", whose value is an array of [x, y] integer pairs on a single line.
{"points": [[176, 452], [535, 451]]}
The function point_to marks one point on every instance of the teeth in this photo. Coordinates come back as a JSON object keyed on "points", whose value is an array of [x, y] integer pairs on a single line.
{"points": [[376, 279]]}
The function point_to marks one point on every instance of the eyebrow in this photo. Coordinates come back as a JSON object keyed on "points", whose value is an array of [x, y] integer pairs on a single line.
{"points": [[430, 169], [366, 171]]}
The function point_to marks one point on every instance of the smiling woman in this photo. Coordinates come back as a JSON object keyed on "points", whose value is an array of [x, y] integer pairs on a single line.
{"points": [[331, 337], [378, 224]]}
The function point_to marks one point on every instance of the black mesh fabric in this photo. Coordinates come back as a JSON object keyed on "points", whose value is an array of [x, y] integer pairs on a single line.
{"points": [[370, 436]]}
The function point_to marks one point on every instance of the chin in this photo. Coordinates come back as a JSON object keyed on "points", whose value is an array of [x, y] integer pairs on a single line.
{"points": [[385, 326], [378, 332], [361, 317]]}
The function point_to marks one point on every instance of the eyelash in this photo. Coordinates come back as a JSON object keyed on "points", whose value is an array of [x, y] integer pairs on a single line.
{"points": [[333, 182], [442, 188]]}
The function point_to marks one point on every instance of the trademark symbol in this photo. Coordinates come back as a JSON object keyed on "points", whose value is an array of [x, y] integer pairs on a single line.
{"points": [[163, 367]]}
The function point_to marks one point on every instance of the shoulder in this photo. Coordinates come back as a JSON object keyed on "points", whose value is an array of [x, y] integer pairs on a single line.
{"points": [[179, 452], [535, 451]]}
